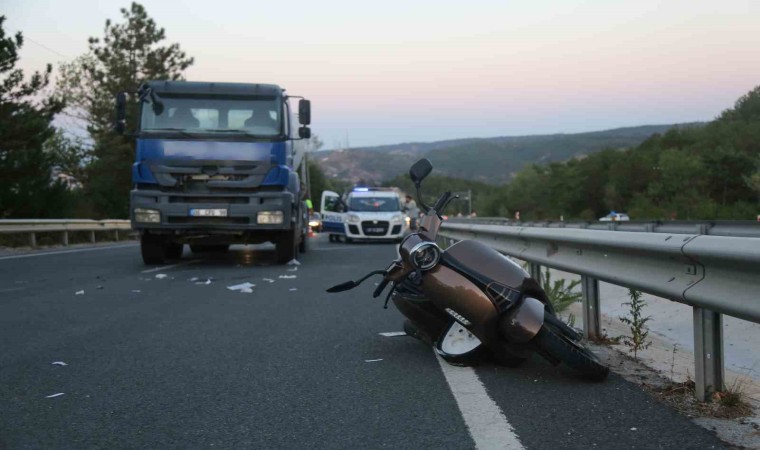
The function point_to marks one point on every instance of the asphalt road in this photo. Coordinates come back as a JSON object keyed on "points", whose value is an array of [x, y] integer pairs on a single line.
{"points": [[168, 363]]}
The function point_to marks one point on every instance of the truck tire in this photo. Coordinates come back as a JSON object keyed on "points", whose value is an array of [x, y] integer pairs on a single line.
{"points": [[174, 250], [200, 248], [303, 246], [153, 249], [285, 247]]}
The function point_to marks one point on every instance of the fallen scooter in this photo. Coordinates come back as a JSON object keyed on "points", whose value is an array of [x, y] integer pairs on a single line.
{"points": [[471, 302]]}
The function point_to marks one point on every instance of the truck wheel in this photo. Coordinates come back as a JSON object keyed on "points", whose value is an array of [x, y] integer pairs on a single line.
{"points": [[209, 248], [303, 246], [174, 250], [286, 248], [153, 249]]}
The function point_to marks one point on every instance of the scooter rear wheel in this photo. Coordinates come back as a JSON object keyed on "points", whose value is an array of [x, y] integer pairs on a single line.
{"points": [[553, 341]]}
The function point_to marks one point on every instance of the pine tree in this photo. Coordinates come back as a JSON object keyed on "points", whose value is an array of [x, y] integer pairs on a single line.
{"points": [[129, 54], [27, 189]]}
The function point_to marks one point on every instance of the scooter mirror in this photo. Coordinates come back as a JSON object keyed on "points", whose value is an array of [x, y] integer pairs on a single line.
{"points": [[342, 287], [420, 170]]}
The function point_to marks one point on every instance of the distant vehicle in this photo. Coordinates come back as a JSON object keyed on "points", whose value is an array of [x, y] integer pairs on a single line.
{"points": [[364, 214], [615, 217], [315, 222]]}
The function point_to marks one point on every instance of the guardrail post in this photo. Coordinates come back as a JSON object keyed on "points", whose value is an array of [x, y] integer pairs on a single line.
{"points": [[116, 235], [708, 352], [65, 238], [591, 321], [32, 239], [92, 236], [535, 271]]}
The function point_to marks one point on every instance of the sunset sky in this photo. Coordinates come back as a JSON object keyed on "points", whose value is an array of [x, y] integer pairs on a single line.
{"points": [[395, 71]]}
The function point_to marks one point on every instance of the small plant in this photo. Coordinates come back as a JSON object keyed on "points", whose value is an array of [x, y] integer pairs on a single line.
{"points": [[561, 295], [636, 321]]}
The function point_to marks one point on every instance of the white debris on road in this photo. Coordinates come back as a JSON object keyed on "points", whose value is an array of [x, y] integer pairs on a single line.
{"points": [[79, 292], [373, 360], [293, 289], [161, 276], [243, 287], [268, 279], [136, 291], [287, 277], [207, 282], [393, 333], [55, 395], [59, 363], [293, 262]]}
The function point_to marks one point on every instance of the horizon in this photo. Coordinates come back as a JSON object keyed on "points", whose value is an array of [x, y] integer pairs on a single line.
{"points": [[431, 71]]}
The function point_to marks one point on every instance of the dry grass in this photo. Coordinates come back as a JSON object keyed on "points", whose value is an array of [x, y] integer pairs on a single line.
{"points": [[727, 404]]}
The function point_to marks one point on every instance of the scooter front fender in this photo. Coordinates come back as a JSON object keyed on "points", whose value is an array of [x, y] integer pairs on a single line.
{"points": [[522, 322]]}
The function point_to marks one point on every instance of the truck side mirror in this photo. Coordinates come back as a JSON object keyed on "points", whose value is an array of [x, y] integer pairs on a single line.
{"points": [[304, 112], [304, 132], [121, 113]]}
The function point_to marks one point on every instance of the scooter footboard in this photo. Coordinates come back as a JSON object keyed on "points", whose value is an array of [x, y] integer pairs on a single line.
{"points": [[522, 323]]}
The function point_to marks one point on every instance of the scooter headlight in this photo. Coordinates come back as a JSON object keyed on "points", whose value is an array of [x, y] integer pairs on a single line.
{"points": [[425, 255]]}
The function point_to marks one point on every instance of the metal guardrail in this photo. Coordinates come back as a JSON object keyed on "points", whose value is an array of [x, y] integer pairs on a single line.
{"points": [[63, 226], [715, 274]]}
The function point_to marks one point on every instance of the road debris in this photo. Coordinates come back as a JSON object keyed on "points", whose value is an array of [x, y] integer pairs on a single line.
{"points": [[293, 289], [161, 276], [59, 363], [79, 292], [207, 282], [393, 333], [243, 287], [293, 262], [98, 287], [287, 277], [55, 395], [268, 279], [373, 360], [633, 428], [136, 291]]}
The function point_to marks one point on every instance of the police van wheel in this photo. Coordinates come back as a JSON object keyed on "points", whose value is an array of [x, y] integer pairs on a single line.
{"points": [[332, 238], [153, 249], [286, 247]]}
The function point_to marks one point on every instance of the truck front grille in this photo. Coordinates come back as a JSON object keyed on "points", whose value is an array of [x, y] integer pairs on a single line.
{"points": [[209, 220], [183, 199]]}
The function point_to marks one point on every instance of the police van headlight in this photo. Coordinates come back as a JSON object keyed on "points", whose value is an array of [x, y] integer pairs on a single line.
{"points": [[147, 215], [425, 255], [398, 218], [353, 218]]}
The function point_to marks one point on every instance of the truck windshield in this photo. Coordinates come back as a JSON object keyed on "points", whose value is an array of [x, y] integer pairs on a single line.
{"points": [[259, 116], [378, 204]]}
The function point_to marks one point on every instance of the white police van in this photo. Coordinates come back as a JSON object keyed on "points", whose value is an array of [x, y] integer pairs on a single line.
{"points": [[365, 214]]}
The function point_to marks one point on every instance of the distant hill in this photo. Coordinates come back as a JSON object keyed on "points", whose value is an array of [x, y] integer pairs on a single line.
{"points": [[492, 160]]}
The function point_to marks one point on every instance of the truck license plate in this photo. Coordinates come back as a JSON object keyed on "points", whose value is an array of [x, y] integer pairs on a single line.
{"points": [[208, 212]]}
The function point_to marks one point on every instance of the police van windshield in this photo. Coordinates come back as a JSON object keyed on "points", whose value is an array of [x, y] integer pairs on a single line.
{"points": [[376, 204], [259, 116]]}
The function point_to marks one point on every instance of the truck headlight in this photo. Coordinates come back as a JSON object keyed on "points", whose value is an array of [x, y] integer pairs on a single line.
{"points": [[397, 219], [270, 217], [353, 218], [147, 215]]}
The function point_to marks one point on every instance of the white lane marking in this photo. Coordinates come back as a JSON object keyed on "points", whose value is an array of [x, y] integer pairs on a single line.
{"points": [[192, 261], [484, 419], [62, 252]]}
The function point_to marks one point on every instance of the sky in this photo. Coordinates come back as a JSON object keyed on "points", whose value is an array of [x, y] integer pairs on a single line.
{"points": [[399, 71]]}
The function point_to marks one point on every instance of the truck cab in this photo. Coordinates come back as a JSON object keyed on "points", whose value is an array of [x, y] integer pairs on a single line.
{"points": [[216, 164]]}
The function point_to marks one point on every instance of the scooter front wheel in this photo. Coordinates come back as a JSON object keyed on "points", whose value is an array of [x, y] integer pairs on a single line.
{"points": [[553, 341]]}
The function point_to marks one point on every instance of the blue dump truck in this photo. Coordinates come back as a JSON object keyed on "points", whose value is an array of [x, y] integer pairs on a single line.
{"points": [[216, 164]]}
